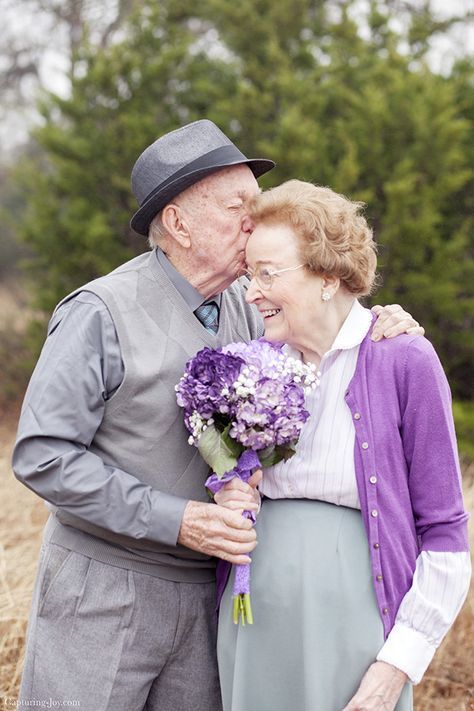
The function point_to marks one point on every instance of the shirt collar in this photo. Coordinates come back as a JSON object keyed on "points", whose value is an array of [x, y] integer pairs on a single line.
{"points": [[191, 295], [354, 329]]}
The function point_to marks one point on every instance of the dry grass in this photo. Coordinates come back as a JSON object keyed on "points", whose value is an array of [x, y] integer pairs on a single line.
{"points": [[449, 682], [448, 685], [23, 517]]}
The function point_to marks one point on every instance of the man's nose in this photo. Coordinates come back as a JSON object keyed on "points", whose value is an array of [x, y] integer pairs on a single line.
{"points": [[247, 225]]}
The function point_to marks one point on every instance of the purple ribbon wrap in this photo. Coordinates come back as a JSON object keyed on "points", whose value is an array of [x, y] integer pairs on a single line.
{"points": [[247, 461]]}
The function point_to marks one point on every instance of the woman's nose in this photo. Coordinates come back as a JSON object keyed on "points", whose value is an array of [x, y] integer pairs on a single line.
{"points": [[253, 292]]}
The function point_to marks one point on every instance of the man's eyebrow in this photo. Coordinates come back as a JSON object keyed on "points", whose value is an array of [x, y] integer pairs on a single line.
{"points": [[244, 196]]}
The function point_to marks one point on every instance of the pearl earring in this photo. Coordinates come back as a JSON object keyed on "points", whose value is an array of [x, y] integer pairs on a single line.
{"points": [[325, 296]]}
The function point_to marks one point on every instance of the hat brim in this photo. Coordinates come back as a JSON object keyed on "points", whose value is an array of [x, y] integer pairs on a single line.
{"points": [[141, 220]]}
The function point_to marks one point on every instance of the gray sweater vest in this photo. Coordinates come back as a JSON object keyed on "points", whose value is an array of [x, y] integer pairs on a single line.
{"points": [[142, 431]]}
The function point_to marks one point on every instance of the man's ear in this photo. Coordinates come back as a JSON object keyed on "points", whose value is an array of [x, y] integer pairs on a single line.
{"points": [[175, 225]]}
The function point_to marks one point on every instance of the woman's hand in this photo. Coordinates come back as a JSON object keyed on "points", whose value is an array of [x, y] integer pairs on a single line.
{"points": [[239, 496], [392, 321], [379, 689]]}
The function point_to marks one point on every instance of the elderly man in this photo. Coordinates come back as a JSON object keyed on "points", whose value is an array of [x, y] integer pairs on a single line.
{"points": [[123, 615]]}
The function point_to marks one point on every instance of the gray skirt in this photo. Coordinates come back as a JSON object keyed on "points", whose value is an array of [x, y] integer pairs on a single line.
{"points": [[316, 625]]}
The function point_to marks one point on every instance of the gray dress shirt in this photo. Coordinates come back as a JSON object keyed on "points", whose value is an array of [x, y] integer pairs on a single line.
{"points": [[67, 395]]}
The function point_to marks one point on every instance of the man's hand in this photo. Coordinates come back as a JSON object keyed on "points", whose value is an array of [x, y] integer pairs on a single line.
{"points": [[392, 321], [239, 496], [379, 689], [216, 530]]}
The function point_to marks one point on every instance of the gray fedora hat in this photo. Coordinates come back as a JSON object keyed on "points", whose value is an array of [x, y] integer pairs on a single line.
{"points": [[179, 159]]}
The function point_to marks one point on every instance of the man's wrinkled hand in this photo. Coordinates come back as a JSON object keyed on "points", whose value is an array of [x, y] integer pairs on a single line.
{"points": [[392, 321], [218, 531]]}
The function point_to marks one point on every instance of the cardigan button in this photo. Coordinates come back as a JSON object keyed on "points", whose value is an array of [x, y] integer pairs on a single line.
{"points": [[385, 610], [357, 416], [374, 513], [379, 578], [376, 545], [373, 479], [365, 445]]}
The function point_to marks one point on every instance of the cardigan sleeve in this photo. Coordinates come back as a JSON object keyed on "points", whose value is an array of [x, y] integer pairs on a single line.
{"points": [[443, 570], [429, 443]]}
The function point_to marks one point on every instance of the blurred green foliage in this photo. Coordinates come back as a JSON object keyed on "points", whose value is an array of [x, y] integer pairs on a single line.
{"points": [[464, 421], [294, 80]]}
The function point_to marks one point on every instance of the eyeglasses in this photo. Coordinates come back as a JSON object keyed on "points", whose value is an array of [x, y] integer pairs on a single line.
{"points": [[264, 276]]}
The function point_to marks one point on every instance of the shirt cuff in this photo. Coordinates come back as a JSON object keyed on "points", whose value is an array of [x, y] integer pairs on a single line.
{"points": [[408, 650], [166, 516]]}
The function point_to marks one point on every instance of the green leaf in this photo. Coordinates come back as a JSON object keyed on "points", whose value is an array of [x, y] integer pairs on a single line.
{"points": [[386, 129], [272, 455], [233, 446], [216, 452]]}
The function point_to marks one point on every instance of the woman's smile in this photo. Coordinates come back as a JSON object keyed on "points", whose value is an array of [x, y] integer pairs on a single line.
{"points": [[269, 313]]}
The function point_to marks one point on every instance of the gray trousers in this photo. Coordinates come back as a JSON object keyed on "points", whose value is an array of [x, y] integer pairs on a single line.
{"points": [[105, 638]]}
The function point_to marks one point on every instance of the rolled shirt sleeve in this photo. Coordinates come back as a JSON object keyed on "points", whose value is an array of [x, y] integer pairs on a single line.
{"points": [[79, 368], [439, 588]]}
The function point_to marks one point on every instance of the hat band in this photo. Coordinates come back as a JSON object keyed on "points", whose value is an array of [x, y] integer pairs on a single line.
{"points": [[216, 158]]}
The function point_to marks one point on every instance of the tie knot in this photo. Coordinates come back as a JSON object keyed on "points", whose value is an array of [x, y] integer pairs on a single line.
{"points": [[208, 314]]}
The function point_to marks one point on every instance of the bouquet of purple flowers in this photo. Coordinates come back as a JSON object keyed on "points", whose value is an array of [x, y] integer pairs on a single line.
{"points": [[244, 408]]}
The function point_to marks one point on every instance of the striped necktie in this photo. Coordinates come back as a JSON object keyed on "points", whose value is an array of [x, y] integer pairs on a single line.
{"points": [[208, 314]]}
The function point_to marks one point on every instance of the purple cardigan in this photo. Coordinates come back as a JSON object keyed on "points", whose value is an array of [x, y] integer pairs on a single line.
{"points": [[406, 463]]}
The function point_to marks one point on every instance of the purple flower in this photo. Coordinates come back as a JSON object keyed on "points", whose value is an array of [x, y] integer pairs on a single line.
{"points": [[205, 384], [261, 356], [272, 415], [254, 387]]}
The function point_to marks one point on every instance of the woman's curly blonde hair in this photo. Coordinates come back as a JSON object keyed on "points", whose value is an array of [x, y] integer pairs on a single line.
{"points": [[335, 238]]}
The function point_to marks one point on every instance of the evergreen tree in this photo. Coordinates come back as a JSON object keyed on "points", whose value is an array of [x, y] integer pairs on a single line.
{"points": [[329, 95]]}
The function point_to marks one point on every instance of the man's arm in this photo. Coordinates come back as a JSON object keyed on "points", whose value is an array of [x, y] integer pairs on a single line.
{"points": [[79, 368], [392, 320]]}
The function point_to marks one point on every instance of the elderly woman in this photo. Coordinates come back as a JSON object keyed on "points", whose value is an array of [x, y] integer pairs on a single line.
{"points": [[362, 561]]}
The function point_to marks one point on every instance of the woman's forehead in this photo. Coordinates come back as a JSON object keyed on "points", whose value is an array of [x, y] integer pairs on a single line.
{"points": [[271, 243]]}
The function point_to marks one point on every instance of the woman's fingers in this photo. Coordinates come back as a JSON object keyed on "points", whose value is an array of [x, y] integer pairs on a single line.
{"points": [[256, 478], [236, 500], [236, 494]]}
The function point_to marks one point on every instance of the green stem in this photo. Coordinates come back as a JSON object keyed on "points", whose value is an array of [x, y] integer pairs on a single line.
{"points": [[235, 610], [242, 608], [248, 608]]}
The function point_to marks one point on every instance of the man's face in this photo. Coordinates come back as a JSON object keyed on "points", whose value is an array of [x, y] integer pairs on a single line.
{"points": [[214, 210]]}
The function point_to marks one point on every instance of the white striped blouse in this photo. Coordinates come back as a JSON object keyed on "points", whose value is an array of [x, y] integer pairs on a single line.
{"points": [[323, 468]]}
